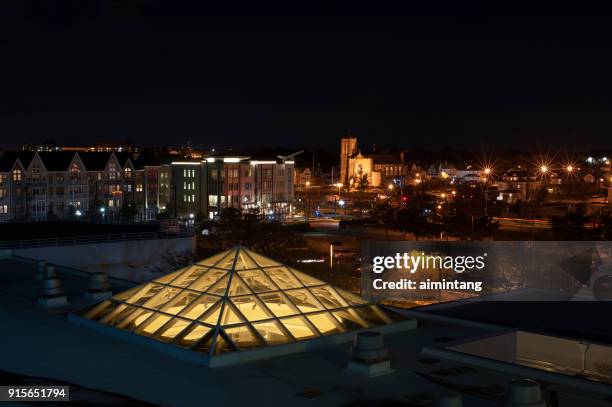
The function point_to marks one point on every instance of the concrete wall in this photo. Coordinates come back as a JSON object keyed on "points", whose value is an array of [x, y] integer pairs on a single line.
{"points": [[131, 260]]}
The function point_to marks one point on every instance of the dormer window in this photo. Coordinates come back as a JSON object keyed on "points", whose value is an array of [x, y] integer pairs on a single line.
{"points": [[128, 173]]}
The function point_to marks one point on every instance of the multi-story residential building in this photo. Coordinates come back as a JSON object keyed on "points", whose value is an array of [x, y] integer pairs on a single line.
{"points": [[206, 187], [112, 186]]}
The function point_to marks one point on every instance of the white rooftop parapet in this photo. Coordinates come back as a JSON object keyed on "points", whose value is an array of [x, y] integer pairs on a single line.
{"points": [[370, 357], [524, 393]]}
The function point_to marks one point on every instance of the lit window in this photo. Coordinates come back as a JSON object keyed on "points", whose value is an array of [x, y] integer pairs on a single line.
{"points": [[3, 209], [139, 188], [17, 175]]}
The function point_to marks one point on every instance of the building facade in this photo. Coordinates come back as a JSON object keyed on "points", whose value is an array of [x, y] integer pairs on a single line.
{"points": [[112, 186], [377, 169]]}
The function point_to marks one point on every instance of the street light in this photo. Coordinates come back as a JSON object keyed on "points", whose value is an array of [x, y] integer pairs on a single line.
{"points": [[339, 185], [390, 186], [569, 168], [544, 169]]}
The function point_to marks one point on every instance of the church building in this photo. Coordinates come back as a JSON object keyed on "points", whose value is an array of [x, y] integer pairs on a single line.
{"points": [[379, 169]]}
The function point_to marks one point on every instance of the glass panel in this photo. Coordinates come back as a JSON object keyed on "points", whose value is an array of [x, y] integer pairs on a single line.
{"points": [[193, 334], [199, 307], [135, 319], [283, 278], [152, 324], [202, 345], [166, 279], [212, 315], [279, 304], [179, 302], [172, 329], [188, 276], [273, 332], [228, 262], [122, 296], [211, 261], [101, 310], [306, 279], [328, 297], [349, 319], [258, 281], [162, 298], [299, 327], [325, 323], [119, 315], [304, 300], [143, 295], [252, 308], [261, 260], [243, 336], [207, 279], [237, 286], [244, 262], [230, 315], [351, 298], [222, 345], [220, 287], [372, 316]]}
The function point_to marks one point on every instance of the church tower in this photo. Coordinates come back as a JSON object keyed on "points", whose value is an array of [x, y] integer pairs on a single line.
{"points": [[348, 149]]}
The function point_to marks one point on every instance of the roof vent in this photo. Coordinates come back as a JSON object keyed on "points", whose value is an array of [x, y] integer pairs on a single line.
{"points": [[99, 287], [40, 270], [524, 393], [52, 293], [370, 357]]}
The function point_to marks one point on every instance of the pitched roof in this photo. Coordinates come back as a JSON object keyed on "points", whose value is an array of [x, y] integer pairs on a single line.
{"points": [[234, 301], [95, 161], [386, 158], [57, 160], [8, 158]]}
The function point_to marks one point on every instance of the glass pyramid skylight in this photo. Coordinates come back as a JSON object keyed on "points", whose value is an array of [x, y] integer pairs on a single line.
{"points": [[234, 301]]}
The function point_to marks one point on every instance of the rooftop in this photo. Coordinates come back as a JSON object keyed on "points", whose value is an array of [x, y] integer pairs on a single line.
{"points": [[84, 357]]}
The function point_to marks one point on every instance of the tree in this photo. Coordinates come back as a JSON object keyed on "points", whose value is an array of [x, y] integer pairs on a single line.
{"points": [[606, 227], [384, 213], [409, 220], [360, 183], [572, 226], [464, 226], [128, 211], [251, 229]]}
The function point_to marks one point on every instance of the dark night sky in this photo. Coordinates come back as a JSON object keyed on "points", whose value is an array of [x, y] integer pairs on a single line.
{"points": [[163, 73]]}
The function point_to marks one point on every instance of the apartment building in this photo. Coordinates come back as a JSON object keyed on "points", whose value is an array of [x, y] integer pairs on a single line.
{"points": [[36, 186], [112, 186], [203, 188]]}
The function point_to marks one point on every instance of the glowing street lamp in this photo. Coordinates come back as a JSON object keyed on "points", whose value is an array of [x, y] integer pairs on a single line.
{"points": [[569, 168], [390, 186], [543, 169]]}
